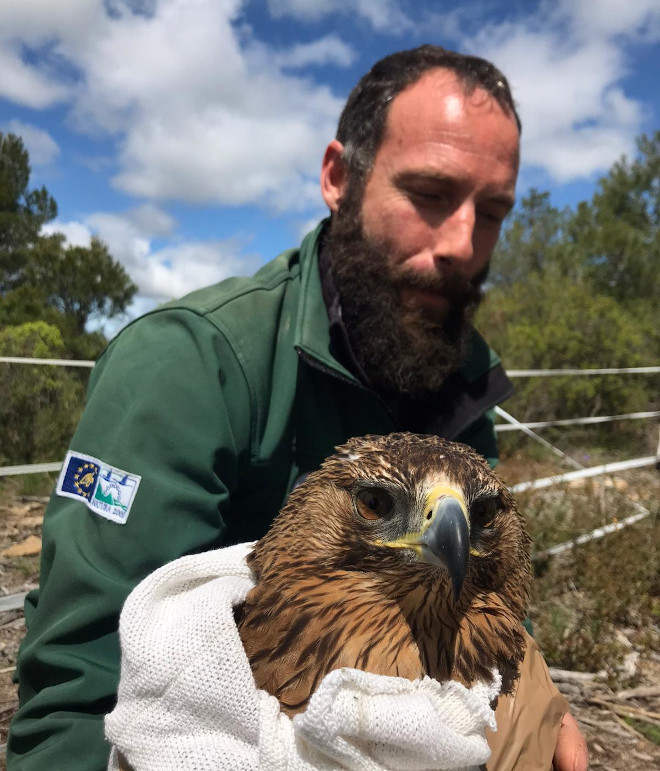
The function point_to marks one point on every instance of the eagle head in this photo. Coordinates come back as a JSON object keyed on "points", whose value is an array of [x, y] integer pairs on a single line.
{"points": [[403, 554]]}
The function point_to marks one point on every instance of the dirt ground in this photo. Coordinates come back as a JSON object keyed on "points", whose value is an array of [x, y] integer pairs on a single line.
{"points": [[19, 520], [614, 744]]}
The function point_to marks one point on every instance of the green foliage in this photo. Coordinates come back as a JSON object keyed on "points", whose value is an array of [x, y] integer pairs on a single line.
{"points": [[49, 292], [649, 730], [532, 242], [618, 233], [39, 405], [81, 283], [28, 303], [22, 211], [40, 277], [580, 597], [548, 323], [611, 243], [579, 289], [40, 485]]}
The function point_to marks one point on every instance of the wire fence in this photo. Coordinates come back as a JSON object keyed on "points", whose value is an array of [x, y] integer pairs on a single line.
{"points": [[511, 424], [48, 362], [581, 372]]}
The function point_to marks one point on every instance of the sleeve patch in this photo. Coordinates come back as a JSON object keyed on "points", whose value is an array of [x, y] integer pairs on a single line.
{"points": [[104, 489]]}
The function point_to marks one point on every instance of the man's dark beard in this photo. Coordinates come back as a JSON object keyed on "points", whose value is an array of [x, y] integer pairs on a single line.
{"points": [[400, 349]]}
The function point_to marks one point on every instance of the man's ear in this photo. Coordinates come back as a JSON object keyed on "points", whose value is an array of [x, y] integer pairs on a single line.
{"points": [[334, 175]]}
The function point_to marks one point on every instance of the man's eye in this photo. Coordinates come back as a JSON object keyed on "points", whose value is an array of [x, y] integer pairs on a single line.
{"points": [[429, 197], [492, 217], [374, 503]]}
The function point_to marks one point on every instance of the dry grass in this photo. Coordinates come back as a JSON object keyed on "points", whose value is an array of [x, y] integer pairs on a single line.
{"points": [[594, 604]]}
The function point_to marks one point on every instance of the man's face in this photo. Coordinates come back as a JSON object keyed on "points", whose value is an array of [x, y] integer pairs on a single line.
{"points": [[409, 257]]}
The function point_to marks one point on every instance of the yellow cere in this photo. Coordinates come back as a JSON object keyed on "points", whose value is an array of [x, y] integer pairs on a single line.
{"points": [[440, 491], [411, 540]]}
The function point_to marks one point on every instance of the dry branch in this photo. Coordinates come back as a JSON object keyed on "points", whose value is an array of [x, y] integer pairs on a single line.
{"points": [[579, 678]]}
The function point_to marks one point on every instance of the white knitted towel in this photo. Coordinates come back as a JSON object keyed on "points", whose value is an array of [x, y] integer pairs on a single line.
{"points": [[188, 701]]}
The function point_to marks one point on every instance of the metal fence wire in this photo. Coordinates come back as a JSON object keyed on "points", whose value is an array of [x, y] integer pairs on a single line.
{"points": [[510, 424]]}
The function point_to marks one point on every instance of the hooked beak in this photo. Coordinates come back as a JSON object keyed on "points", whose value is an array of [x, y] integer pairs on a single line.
{"points": [[446, 541], [445, 538]]}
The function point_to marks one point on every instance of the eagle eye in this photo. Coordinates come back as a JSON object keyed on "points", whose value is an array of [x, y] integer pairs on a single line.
{"points": [[373, 503], [483, 511]]}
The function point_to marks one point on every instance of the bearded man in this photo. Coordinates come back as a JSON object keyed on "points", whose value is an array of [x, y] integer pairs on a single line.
{"points": [[203, 414]]}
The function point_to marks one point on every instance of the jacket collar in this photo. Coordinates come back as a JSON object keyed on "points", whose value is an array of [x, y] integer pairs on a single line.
{"points": [[313, 325]]}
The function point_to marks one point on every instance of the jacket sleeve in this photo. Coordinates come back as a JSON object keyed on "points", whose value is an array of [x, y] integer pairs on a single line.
{"points": [[168, 402]]}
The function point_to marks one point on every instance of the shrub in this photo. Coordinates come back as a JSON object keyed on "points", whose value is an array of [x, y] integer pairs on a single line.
{"points": [[39, 405], [549, 323], [581, 596]]}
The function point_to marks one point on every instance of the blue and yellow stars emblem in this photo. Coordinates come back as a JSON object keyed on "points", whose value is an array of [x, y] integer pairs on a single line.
{"points": [[85, 478], [80, 477], [104, 489]]}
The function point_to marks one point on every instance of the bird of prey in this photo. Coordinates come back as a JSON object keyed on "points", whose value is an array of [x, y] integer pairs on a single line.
{"points": [[402, 555]]}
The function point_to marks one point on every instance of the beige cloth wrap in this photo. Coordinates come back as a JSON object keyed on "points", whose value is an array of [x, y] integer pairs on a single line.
{"points": [[528, 722]]}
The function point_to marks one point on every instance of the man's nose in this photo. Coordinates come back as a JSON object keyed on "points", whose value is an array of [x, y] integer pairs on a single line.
{"points": [[454, 236]]}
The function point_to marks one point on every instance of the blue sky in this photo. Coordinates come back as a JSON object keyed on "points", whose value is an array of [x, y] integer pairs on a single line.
{"points": [[188, 134]]}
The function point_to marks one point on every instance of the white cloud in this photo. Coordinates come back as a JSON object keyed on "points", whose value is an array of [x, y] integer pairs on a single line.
{"points": [[202, 112], [613, 17], [75, 233], [151, 220], [38, 23], [383, 15], [201, 126], [565, 64], [43, 27], [182, 268], [24, 84], [224, 157], [43, 149], [174, 270], [160, 274], [195, 118], [327, 50]]}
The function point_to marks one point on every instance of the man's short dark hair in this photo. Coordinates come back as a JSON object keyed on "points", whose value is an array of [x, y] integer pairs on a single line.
{"points": [[362, 121]]}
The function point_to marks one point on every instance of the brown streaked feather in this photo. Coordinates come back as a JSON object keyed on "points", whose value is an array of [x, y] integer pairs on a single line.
{"points": [[335, 623], [328, 597]]}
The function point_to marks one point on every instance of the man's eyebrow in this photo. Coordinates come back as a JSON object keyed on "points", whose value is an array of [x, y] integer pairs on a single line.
{"points": [[421, 175]]}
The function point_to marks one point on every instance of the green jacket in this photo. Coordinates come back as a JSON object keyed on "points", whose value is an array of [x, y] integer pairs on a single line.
{"points": [[218, 402]]}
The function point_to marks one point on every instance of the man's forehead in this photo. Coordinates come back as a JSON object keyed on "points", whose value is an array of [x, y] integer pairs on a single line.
{"points": [[440, 96], [439, 105]]}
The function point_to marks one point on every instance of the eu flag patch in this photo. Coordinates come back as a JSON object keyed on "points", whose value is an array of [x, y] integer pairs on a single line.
{"points": [[79, 477], [104, 489]]}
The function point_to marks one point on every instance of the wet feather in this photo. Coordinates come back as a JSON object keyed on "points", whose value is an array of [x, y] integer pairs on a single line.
{"points": [[331, 593]]}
